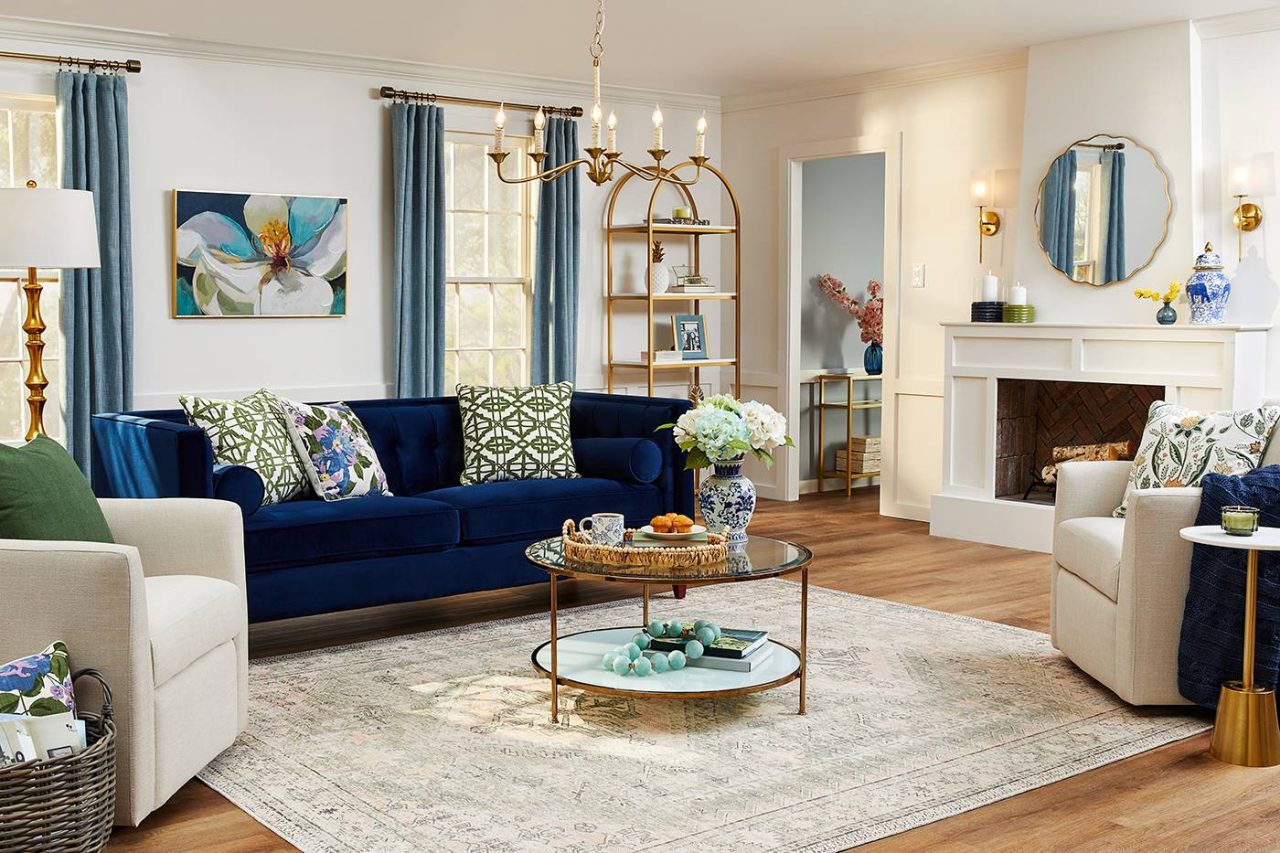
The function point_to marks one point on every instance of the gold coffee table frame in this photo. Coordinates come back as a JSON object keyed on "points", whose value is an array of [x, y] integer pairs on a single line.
{"points": [[1245, 730], [548, 555]]}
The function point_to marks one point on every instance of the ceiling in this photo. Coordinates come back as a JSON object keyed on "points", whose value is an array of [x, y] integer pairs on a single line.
{"points": [[721, 47]]}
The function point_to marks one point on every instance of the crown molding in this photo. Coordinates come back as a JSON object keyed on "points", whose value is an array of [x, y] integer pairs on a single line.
{"points": [[892, 78], [1241, 24], [447, 79]]}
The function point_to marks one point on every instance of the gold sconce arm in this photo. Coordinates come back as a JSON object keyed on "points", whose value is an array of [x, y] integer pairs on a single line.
{"points": [[1247, 217]]}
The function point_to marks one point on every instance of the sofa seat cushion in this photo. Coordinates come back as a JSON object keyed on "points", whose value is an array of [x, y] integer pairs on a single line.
{"points": [[1090, 549], [533, 509], [306, 532], [190, 616]]}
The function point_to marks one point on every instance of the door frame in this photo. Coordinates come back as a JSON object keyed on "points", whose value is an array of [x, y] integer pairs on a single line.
{"points": [[791, 163]]}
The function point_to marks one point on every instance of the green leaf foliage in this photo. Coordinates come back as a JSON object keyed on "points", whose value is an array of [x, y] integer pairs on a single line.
{"points": [[46, 707], [8, 703]]}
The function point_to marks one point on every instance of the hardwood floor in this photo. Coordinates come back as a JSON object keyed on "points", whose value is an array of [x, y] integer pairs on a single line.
{"points": [[1172, 798]]}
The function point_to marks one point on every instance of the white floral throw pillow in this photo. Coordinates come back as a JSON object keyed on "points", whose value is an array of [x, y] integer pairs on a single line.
{"points": [[335, 450], [1179, 446]]}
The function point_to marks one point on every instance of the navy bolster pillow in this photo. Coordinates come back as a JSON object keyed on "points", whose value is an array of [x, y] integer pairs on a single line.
{"points": [[240, 485], [627, 460]]}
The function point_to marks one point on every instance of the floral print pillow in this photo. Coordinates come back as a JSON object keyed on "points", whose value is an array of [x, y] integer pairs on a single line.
{"points": [[1179, 446], [38, 685], [335, 450]]}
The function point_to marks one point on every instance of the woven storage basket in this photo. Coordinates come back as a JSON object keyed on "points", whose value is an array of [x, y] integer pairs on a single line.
{"points": [[65, 803], [579, 547]]}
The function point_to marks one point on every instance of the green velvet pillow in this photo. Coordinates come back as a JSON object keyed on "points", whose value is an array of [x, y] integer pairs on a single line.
{"points": [[43, 495]]}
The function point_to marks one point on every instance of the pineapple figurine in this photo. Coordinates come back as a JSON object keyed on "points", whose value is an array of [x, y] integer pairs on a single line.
{"points": [[659, 272]]}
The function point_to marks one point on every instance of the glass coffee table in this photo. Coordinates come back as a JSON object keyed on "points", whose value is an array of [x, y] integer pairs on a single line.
{"points": [[575, 660]]}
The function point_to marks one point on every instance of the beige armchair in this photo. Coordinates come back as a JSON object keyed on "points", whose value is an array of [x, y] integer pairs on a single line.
{"points": [[162, 615]]}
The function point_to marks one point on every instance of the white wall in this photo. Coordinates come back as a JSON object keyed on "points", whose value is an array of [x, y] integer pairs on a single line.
{"points": [[206, 116], [967, 118], [1140, 83]]}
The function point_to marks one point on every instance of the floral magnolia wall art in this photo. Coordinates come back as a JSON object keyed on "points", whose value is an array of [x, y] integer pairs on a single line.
{"points": [[242, 255]]}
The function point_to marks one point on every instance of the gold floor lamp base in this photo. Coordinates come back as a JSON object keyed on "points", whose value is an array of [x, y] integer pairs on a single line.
{"points": [[1246, 730]]}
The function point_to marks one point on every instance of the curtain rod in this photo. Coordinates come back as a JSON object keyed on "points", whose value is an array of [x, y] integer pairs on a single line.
{"points": [[429, 98], [1110, 146], [133, 66]]}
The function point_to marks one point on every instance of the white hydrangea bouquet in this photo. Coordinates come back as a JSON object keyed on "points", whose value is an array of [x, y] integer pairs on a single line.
{"points": [[723, 429]]}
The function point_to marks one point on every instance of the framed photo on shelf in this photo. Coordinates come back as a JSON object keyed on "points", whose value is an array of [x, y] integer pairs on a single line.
{"points": [[690, 331]]}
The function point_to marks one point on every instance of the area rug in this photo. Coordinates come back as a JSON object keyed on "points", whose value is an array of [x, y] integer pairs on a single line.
{"points": [[442, 741]]}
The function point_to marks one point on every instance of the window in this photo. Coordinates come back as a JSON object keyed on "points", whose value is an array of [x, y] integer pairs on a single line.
{"points": [[488, 266], [1088, 223], [28, 151]]}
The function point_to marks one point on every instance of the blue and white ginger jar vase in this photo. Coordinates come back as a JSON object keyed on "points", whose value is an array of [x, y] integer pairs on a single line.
{"points": [[1208, 288], [728, 500]]}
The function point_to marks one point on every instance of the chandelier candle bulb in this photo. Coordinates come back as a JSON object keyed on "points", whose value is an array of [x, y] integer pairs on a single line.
{"points": [[613, 133], [990, 288], [499, 126], [539, 130], [700, 141], [657, 127], [1018, 294], [595, 125]]}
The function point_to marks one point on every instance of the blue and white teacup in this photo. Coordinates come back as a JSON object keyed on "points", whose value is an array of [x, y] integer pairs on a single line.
{"points": [[606, 528]]}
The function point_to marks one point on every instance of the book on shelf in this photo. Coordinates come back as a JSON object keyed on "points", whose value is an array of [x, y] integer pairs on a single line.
{"points": [[841, 453], [735, 643], [865, 442], [746, 664], [662, 356], [692, 288]]}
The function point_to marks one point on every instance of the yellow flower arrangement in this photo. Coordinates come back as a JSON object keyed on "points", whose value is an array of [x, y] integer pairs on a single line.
{"points": [[1156, 296]]}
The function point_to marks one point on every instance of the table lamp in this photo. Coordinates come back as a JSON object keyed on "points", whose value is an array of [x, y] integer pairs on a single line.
{"points": [[44, 229]]}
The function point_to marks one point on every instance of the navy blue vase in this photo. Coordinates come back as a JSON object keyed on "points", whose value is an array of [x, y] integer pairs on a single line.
{"points": [[873, 359]]}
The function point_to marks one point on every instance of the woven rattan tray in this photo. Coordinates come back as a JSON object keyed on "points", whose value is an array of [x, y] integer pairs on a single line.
{"points": [[579, 547]]}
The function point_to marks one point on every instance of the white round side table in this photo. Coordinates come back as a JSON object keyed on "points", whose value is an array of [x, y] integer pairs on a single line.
{"points": [[1245, 731]]}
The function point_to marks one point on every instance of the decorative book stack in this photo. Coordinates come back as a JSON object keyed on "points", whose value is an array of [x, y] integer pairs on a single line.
{"points": [[862, 458], [737, 650], [662, 356]]}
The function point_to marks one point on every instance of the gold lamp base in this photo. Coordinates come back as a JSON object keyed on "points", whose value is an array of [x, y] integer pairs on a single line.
{"points": [[1246, 731]]}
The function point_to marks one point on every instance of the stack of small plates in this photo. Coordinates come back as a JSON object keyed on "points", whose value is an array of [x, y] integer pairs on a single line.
{"points": [[1019, 313], [986, 312]]}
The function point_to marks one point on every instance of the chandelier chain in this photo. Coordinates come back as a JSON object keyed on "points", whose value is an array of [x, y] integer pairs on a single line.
{"points": [[597, 47]]}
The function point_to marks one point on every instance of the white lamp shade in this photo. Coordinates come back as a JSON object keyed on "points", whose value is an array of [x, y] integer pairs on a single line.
{"points": [[47, 229], [982, 187], [1005, 194], [1252, 174]]}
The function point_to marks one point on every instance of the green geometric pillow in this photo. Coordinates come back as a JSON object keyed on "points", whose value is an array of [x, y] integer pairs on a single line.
{"points": [[38, 685], [516, 433], [251, 432]]}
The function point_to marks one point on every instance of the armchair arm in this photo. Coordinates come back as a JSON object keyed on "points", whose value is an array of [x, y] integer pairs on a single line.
{"points": [[91, 596], [1089, 489], [181, 536], [1155, 568]]}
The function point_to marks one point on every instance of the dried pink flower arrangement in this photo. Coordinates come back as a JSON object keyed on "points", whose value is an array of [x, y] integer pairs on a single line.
{"points": [[870, 317]]}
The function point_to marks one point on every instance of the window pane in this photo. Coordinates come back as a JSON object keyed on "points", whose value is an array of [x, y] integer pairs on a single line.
{"points": [[508, 367], [474, 309], [450, 316], [467, 259], [509, 312], [34, 148], [50, 308], [13, 396], [450, 372], [473, 368], [469, 162], [504, 196], [11, 311], [505, 246], [6, 175], [53, 408]]}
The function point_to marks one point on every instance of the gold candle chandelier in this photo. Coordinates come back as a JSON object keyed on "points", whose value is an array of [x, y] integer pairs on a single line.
{"points": [[601, 160]]}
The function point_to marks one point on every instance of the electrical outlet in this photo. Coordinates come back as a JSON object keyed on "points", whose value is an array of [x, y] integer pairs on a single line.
{"points": [[917, 275]]}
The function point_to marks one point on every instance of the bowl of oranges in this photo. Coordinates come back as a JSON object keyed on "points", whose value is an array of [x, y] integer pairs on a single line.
{"points": [[672, 525]]}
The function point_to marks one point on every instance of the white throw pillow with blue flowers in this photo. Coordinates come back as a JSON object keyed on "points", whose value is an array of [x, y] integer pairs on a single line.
{"points": [[335, 450]]}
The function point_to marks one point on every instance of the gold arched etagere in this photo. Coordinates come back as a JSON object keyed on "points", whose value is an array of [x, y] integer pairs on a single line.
{"points": [[695, 233]]}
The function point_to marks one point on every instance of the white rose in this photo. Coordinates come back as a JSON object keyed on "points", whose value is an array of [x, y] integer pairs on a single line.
{"points": [[686, 427], [767, 428]]}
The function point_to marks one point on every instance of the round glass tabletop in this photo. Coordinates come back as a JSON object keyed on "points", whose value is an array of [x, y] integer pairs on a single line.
{"points": [[761, 558]]}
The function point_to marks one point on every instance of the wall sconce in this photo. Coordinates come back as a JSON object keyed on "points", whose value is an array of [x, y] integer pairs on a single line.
{"points": [[992, 190], [1251, 176]]}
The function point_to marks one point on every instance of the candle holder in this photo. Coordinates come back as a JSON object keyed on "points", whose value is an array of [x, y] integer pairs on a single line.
{"points": [[1240, 520]]}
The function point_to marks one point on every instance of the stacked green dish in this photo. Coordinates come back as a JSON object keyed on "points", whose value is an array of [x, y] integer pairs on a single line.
{"points": [[1019, 313]]}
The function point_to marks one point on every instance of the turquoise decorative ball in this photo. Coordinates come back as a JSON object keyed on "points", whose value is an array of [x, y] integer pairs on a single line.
{"points": [[700, 624], [641, 641], [643, 667], [716, 628], [609, 658], [655, 628], [632, 651], [693, 650], [659, 663], [706, 636], [674, 629], [621, 665], [676, 660]]}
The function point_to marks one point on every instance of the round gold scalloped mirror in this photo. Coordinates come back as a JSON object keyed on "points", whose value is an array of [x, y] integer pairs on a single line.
{"points": [[1103, 209]]}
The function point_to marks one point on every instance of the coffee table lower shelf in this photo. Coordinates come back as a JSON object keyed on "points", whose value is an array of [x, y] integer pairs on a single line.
{"points": [[580, 665]]}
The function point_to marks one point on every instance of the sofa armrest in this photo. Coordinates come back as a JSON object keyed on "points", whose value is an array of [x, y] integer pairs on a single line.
{"points": [[1089, 489], [239, 484], [1155, 568], [91, 596], [627, 460], [181, 536], [136, 457]]}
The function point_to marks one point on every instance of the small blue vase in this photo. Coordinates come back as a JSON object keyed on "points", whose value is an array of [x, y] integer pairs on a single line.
{"points": [[1208, 289], [873, 359], [728, 500], [1166, 316]]}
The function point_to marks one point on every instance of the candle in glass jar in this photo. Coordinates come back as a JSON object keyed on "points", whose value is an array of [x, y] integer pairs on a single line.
{"points": [[1239, 520], [990, 288]]}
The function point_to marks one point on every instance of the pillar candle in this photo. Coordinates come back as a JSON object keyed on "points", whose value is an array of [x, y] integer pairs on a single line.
{"points": [[1018, 295], [990, 288]]}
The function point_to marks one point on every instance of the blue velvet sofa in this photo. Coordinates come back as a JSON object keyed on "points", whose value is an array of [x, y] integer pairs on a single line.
{"points": [[435, 537]]}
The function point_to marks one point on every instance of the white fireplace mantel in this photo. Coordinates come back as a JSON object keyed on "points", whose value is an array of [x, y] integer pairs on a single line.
{"points": [[1202, 367]]}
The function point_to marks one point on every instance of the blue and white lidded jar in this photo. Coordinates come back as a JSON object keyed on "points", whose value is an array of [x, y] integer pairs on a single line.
{"points": [[1208, 288]]}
